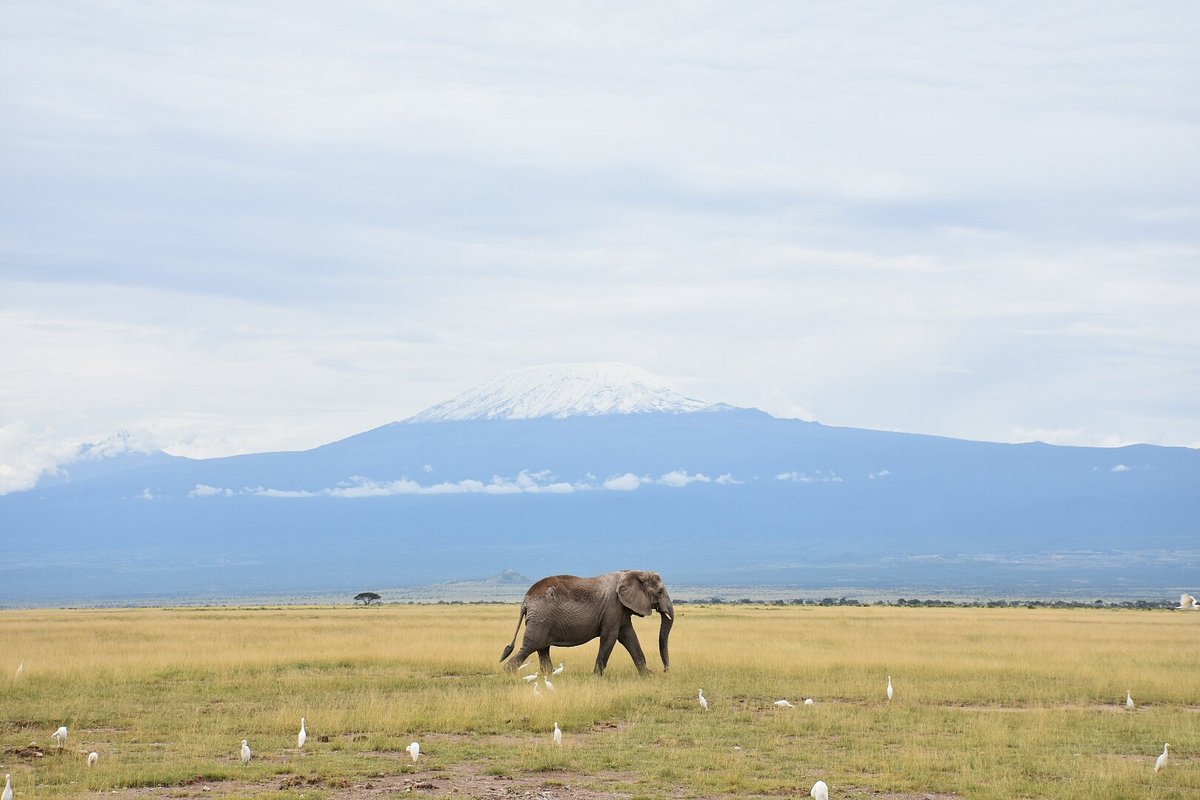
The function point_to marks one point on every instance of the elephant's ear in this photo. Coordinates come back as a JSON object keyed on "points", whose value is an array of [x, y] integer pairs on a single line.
{"points": [[632, 593]]}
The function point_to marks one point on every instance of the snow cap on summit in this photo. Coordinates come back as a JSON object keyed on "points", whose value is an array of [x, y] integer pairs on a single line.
{"points": [[564, 390]]}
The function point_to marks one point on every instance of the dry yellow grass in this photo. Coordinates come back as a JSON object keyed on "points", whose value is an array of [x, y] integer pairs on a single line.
{"points": [[990, 703]]}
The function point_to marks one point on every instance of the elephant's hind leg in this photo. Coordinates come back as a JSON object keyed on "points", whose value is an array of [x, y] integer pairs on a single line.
{"points": [[544, 660], [517, 660], [607, 643]]}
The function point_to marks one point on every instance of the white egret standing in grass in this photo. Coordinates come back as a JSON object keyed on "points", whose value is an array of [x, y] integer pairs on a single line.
{"points": [[1187, 601], [549, 685], [536, 690], [820, 791], [889, 689], [246, 754], [1128, 700], [557, 734], [808, 701], [784, 704], [60, 736], [301, 737], [20, 668], [524, 667], [413, 750], [7, 787], [703, 700], [559, 669], [93, 757], [1162, 759], [531, 678]]}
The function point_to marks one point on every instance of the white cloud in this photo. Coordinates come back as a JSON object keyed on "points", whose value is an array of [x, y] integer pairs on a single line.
{"points": [[204, 490], [727, 479], [680, 478], [1121, 468], [883, 473], [26, 454], [623, 483]]}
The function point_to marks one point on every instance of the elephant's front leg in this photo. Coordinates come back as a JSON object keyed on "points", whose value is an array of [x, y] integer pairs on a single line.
{"points": [[607, 642], [628, 637]]}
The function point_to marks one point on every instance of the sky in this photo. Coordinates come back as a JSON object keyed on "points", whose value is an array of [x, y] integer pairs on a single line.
{"points": [[233, 227]]}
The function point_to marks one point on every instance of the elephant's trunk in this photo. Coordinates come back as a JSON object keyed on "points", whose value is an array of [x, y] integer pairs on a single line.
{"points": [[667, 613]]}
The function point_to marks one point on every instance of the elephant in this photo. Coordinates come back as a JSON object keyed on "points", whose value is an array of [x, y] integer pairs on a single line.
{"points": [[565, 611]]}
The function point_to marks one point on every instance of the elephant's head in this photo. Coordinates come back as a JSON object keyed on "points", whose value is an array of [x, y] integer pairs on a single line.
{"points": [[642, 592]]}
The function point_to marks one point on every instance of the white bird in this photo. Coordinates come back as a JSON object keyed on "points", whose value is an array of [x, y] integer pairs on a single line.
{"points": [[531, 678], [549, 685], [8, 794], [1128, 700], [93, 757], [60, 736], [808, 701], [413, 750], [784, 704], [703, 700], [536, 690], [246, 754], [889, 689], [524, 667], [1187, 601], [820, 791], [301, 737], [21, 668], [1162, 759], [557, 734], [559, 669]]}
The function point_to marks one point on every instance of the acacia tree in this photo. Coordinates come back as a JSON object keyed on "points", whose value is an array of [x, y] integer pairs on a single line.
{"points": [[366, 598]]}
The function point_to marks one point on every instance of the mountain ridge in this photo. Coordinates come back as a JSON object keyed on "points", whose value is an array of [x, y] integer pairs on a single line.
{"points": [[737, 497]]}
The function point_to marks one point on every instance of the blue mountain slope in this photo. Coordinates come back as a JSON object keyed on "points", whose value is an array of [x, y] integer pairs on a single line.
{"points": [[779, 501]]}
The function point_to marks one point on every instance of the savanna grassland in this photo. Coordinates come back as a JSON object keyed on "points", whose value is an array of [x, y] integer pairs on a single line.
{"points": [[989, 703]]}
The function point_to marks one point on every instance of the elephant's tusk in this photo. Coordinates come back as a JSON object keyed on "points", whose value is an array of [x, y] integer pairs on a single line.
{"points": [[665, 614]]}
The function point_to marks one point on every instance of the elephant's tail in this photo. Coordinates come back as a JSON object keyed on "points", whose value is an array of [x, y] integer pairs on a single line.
{"points": [[508, 650]]}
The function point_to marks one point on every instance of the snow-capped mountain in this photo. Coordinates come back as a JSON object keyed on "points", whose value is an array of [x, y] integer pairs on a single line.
{"points": [[565, 390]]}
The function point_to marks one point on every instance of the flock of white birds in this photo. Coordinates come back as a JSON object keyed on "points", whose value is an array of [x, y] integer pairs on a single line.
{"points": [[819, 791]]}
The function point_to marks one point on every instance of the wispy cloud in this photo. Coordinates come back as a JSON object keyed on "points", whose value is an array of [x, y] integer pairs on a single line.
{"points": [[526, 482], [817, 476]]}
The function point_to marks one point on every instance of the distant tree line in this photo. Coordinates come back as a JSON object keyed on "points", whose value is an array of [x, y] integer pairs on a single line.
{"points": [[940, 603]]}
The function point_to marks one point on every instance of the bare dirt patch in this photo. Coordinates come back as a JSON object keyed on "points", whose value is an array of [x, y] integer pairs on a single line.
{"points": [[463, 781], [29, 752]]}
